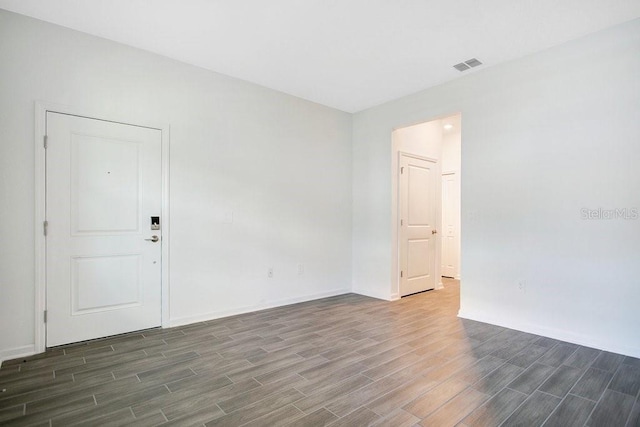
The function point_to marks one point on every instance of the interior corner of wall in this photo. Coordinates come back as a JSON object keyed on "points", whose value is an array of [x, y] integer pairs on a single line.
{"points": [[373, 294]]}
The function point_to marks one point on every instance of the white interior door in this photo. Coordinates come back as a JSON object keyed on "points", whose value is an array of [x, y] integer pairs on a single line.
{"points": [[450, 225], [417, 237], [103, 185]]}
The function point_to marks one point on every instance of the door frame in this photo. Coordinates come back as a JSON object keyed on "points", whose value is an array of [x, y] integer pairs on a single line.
{"points": [[40, 300], [395, 218]]}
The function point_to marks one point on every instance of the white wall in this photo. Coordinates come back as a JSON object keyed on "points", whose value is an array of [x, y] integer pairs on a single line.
{"points": [[544, 137], [280, 164], [423, 139], [451, 154]]}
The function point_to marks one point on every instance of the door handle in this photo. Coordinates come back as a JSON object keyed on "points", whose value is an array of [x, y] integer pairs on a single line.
{"points": [[434, 231], [153, 239]]}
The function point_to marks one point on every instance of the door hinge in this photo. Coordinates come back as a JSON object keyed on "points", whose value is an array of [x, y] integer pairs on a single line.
{"points": [[401, 273], [45, 316], [45, 225], [401, 170], [46, 142], [401, 222]]}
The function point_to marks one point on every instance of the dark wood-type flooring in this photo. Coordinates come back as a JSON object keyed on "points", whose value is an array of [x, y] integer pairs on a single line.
{"points": [[341, 361]]}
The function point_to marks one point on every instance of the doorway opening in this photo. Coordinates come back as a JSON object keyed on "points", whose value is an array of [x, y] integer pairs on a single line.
{"points": [[426, 168]]}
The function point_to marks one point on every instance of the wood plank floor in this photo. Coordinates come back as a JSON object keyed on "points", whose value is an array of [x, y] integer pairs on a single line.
{"points": [[342, 361]]}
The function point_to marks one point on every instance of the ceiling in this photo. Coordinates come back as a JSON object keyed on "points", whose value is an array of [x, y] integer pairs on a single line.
{"points": [[346, 54]]}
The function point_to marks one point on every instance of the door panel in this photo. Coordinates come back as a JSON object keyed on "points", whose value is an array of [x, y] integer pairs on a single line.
{"points": [[418, 213], [105, 283], [103, 185], [104, 174], [418, 258], [450, 225], [417, 224]]}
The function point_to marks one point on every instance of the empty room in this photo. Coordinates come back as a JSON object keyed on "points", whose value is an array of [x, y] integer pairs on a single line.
{"points": [[310, 213]]}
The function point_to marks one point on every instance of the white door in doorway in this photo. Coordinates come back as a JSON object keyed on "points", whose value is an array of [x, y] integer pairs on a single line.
{"points": [[103, 263], [417, 237], [450, 225]]}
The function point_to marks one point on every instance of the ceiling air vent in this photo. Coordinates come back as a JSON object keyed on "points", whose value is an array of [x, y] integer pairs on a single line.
{"points": [[461, 66], [469, 63], [473, 62]]}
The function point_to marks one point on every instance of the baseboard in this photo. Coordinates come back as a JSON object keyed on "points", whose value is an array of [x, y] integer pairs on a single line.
{"points": [[377, 295], [14, 353], [558, 334], [181, 321]]}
